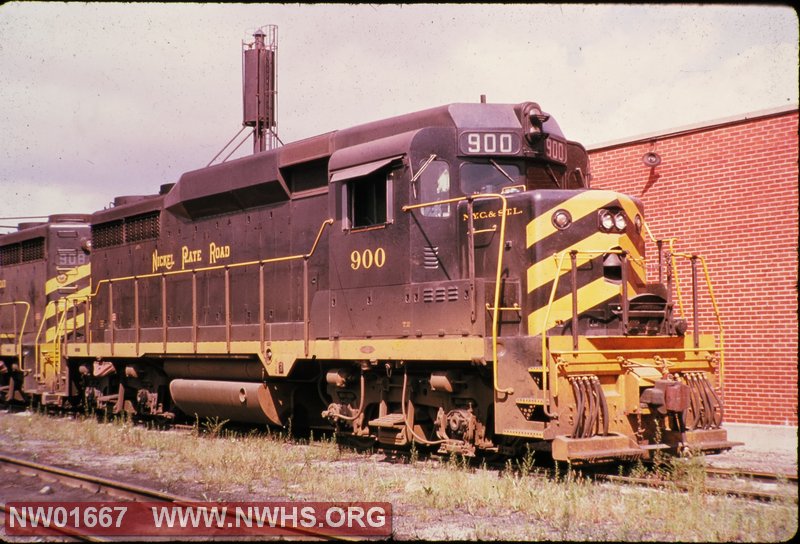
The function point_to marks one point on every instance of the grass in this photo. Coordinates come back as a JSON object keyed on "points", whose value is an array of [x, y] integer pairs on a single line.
{"points": [[450, 499]]}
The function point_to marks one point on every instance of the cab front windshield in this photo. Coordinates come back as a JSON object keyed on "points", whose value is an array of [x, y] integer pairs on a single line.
{"points": [[488, 177]]}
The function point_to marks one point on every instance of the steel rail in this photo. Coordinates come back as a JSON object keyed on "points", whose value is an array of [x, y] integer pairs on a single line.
{"points": [[91, 483], [752, 474], [659, 483], [118, 490]]}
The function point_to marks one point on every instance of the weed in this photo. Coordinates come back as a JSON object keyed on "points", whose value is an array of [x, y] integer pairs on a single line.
{"points": [[527, 463], [515, 504], [212, 426]]}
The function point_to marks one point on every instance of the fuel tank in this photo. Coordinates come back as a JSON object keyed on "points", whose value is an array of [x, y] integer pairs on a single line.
{"points": [[245, 402]]}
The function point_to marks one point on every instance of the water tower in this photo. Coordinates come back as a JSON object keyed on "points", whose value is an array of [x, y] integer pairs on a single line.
{"points": [[259, 89]]}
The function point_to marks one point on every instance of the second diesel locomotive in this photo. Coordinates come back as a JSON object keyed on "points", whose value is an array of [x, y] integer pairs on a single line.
{"points": [[445, 278]]}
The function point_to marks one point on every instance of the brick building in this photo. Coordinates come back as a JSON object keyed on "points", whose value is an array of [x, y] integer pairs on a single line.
{"points": [[728, 190]]}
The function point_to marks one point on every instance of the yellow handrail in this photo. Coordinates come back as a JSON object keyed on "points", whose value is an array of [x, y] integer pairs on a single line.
{"points": [[719, 322], [498, 276], [21, 329], [560, 261], [36, 350], [109, 281], [560, 258], [672, 256], [308, 255], [545, 360], [713, 304], [60, 324]]}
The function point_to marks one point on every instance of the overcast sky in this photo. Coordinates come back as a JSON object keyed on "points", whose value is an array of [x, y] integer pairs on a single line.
{"points": [[99, 100]]}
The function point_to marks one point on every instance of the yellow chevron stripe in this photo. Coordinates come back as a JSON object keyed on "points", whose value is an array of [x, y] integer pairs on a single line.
{"points": [[631, 209], [76, 274], [50, 311], [636, 261], [588, 296], [578, 206], [69, 325], [544, 271]]}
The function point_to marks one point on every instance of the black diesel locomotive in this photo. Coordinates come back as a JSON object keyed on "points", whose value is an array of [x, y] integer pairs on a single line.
{"points": [[445, 278]]}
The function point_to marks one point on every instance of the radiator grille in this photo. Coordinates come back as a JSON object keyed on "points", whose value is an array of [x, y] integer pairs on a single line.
{"points": [[9, 254], [107, 234], [141, 227]]}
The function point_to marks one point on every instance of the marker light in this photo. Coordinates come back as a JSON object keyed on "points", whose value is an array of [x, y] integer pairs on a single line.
{"points": [[562, 219]]}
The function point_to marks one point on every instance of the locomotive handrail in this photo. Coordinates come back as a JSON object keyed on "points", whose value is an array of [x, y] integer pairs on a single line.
{"points": [[719, 322], [22, 327], [560, 261], [37, 355], [693, 258], [60, 320], [500, 249], [560, 258], [672, 255], [304, 256], [308, 255]]}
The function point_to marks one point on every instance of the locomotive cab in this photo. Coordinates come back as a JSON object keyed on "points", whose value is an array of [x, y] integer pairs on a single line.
{"points": [[506, 242]]}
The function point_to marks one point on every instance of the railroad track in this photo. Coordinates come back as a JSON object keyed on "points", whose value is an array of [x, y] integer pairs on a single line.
{"points": [[713, 486], [92, 484], [127, 492], [752, 475], [116, 490]]}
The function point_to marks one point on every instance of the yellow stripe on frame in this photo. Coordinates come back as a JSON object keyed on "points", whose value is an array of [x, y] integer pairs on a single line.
{"points": [[544, 271]]}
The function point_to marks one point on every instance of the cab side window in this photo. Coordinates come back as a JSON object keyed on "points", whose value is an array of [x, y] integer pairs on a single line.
{"points": [[369, 199], [434, 186]]}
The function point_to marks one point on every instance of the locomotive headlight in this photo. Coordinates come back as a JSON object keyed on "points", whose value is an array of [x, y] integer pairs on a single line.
{"points": [[606, 220], [620, 222], [562, 219], [637, 221]]}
